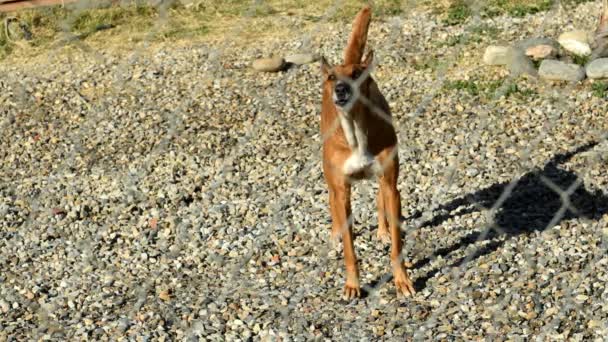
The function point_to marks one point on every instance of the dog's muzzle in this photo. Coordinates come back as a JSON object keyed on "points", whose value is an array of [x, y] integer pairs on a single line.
{"points": [[342, 93]]}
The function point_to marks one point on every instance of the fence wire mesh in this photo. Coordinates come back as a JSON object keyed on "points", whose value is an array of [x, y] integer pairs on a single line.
{"points": [[163, 190]]}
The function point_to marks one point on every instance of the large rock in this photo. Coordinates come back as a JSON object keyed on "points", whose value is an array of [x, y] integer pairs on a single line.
{"points": [[520, 64], [539, 52], [598, 68], [600, 45], [301, 58], [576, 42], [538, 48], [496, 55], [560, 71], [272, 64], [525, 44]]}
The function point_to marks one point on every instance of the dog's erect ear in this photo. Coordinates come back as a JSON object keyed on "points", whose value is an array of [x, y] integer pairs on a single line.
{"points": [[325, 66], [369, 58]]}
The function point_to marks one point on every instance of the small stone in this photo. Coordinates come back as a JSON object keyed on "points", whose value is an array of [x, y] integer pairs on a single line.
{"points": [[593, 324], [123, 325], [4, 306], [551, 311], [560, 71], [539, 52], [598, 68], [527, 315], [301, 58], [164, 295], [272, 64], [576, 42], [496, 55]]}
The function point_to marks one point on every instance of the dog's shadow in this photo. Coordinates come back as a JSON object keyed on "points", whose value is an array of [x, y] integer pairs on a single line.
{"points": [[534, 203]]}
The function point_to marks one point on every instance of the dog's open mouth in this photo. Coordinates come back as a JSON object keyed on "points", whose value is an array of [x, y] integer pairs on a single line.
{"points": [[341, 102]]}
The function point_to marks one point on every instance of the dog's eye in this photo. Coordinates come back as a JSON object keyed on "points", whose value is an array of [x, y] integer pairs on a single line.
{"points": [[356, 74], [331, 77]]}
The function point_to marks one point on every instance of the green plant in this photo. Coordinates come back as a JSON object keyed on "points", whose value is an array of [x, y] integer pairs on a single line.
{"points": [[515, 8], [426, 62], [485, 30], [580, 60], [458, 13], [521, 10], [466, 85], [600, 89], [514, 89]]}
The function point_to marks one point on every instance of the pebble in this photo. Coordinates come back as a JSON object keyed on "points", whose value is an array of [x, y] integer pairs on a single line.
{"points": [[597, 68], [4, 306], [194, 206], [272, 64], [561, 71], [576, 42]]}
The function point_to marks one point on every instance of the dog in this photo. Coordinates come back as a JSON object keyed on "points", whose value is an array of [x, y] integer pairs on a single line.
{"points": [[360, 142]]}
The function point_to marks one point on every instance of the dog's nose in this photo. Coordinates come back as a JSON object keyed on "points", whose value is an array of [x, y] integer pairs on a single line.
{"points": [[342, 90]]}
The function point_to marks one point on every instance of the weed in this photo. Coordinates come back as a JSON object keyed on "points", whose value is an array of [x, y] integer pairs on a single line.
{"points": [[485, 30], [514, 89], [458, 13], [515, 8], [580, 60], [467, 85], [489, 89], [600, 89], [426, 62]]}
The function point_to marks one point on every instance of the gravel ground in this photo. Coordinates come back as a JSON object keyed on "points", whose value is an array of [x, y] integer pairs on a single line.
{"points": [[173, 193]]}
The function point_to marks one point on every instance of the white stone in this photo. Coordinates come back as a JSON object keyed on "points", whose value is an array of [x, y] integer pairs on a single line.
{"points": [[576, 42]]}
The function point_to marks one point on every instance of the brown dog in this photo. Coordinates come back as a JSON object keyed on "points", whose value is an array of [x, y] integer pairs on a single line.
{"points": [[360, 143]]}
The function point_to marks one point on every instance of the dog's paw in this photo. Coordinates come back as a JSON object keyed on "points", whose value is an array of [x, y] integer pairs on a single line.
{"points": [[351, 291], [403, 283]]}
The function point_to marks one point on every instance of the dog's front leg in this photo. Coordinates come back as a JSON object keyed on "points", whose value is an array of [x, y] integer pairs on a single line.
{"points": [[392, 204], [342, 226]]}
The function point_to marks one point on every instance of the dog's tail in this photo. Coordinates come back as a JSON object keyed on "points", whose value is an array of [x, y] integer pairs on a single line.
{"points": [[358, 36]]}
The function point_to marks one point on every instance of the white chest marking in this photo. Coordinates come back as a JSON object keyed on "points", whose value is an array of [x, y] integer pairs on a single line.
{"points": [[360, 159]]}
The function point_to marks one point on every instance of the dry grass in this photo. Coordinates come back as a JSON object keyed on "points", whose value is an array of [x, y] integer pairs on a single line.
{"points": [[108, 26]]}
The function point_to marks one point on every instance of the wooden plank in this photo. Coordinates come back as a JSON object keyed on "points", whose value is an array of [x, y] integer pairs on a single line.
{"points": [[10, 6]]}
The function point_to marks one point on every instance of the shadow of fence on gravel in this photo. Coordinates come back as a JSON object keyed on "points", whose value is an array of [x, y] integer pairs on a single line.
{"points": [[535, 204]]}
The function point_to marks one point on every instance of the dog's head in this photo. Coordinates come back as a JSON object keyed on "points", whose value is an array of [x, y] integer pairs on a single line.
{"points": [[347, 83]]}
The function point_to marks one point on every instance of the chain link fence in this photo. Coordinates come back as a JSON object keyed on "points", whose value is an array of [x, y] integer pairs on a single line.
{"points": [[163, 190]]}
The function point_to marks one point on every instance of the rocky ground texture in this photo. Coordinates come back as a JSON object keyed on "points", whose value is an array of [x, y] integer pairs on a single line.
{"points": [[175, 193]]}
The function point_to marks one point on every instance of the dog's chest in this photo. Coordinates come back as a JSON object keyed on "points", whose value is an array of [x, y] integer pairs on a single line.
{"points": [[361, 163]]}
